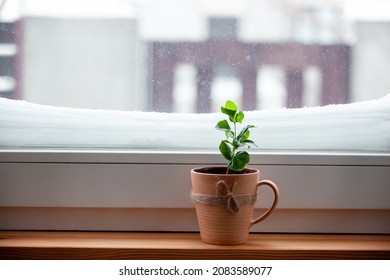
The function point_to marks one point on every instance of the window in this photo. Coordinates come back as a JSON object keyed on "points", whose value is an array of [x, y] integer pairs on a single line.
{"points": [[64, 168], [129, 54]]}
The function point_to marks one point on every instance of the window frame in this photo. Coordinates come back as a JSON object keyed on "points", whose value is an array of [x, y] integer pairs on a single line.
{"points": [[91, 190], [69, 189]]}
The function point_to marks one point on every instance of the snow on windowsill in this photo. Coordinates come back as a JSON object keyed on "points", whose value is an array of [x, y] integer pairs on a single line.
{"points": [[357, 127]]}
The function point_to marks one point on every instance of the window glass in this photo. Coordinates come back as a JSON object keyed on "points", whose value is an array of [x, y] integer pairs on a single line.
{"points": [[189, 56]]}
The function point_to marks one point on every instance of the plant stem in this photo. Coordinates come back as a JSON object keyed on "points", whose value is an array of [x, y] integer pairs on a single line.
{"points": [[235, 130], [234, 149]]}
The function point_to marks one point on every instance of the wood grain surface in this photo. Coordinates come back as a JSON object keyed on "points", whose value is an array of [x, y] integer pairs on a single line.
{"points": [[147, 245]]}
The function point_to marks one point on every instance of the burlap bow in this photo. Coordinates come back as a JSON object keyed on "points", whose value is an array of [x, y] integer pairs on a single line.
{"points": [[224, 190], [224, 197]]}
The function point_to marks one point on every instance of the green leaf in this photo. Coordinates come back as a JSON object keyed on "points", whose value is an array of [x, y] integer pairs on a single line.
{"points": [[244, 133], [231, 105], [239, 117], [229, 134], [236, 144], [230, 109], [223, 125], [230, 113], [249, 143], [239, 161], [225, 150], [245, 136]]}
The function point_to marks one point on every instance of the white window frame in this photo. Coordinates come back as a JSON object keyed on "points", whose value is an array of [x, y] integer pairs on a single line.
{"points": [[149, 190]]}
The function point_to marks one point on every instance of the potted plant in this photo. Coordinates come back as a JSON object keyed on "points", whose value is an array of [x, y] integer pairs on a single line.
{"points": [[224, 196]]}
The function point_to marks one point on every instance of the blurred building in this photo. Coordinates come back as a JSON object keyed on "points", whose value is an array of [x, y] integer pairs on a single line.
{"points": [[144, 55]]}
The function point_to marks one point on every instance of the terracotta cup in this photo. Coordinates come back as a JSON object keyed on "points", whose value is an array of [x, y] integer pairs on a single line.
{"points": [[225, 202]]}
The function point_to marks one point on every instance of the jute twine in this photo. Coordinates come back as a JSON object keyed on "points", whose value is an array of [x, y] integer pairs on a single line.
{"points": [[224, 197]]}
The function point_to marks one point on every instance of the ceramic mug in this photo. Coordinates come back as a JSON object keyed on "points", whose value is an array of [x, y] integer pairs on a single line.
{"points": [[225, 203]]}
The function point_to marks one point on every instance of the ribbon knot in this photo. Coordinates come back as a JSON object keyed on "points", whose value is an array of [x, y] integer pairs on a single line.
{"points": [[224, 197], [224, 190]]}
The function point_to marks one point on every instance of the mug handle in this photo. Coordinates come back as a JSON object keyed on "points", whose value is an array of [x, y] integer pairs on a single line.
{"points": [[276, 199]]}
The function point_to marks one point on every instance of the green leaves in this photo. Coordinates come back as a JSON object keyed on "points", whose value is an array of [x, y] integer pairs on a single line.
{"points": [[223, 125], [231, 110], [239, 161], [230, 149], [225, 150], [239, 117]]}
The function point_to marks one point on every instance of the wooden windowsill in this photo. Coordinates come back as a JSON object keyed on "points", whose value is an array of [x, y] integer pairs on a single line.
{"points": [[133, 245]]}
